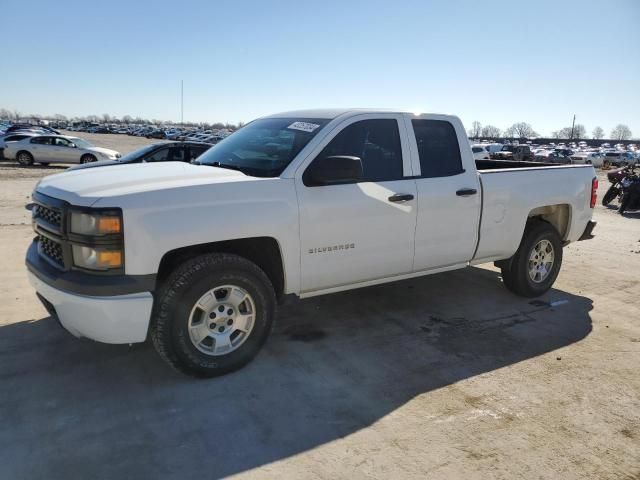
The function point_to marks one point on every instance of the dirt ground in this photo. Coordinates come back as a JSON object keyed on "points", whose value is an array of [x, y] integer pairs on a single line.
{"points": [[448, 376]]}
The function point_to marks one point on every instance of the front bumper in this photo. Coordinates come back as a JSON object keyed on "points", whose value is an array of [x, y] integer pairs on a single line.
{"points": [[115, 319]]}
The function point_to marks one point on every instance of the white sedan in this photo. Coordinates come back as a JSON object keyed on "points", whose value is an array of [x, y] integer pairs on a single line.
{"points": [[480, 152], [45, 149]]}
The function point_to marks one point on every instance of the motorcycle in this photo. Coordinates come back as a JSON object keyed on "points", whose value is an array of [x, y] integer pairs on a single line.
{"points": [[616, 177], [630, 199]]}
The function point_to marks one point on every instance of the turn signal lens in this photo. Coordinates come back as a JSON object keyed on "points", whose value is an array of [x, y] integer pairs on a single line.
{"points": [[109, 225], [110, 259], [95, 224], [93, 259]]}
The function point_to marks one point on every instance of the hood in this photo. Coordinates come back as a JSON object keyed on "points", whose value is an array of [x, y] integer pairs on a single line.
{"points": [[84, 187], [99, 163], [103, 150]]}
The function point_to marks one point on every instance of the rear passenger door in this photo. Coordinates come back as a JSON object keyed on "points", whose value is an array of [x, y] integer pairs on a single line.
{"points": [[43, 150], [449, 196]]}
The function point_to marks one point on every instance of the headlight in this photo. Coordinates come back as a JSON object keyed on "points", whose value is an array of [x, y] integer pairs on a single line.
{"points": [[96, 259], [95, 224]]}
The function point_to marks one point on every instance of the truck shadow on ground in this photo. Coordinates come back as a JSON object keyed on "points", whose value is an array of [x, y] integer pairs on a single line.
{"points": [[335, 365]]}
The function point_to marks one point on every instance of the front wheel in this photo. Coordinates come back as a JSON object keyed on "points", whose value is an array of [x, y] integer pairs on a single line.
{"points": [[535, 266], [611, 194], [88, 158], [213, 314]]}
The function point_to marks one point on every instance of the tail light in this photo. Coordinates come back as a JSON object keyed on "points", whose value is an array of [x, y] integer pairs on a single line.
{"points": [[594, 192]]}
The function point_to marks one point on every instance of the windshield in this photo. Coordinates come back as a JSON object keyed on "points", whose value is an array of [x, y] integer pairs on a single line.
{"points": [[265, 147], [81, 142], [136, 154]]}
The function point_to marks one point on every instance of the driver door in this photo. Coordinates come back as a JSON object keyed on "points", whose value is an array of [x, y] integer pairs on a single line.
{"points": [[360, 231]]}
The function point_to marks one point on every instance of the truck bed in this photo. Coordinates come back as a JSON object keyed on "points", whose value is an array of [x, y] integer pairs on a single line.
{"points": [[511, 190]]}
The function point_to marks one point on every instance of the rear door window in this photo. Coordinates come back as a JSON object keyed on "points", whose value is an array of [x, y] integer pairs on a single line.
{"points": [[438, 148], [196, 150], [42, 140], [15, 138], [159, 155]]}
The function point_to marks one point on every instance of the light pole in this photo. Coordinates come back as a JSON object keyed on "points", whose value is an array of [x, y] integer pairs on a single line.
{"points": [[181, 102]]}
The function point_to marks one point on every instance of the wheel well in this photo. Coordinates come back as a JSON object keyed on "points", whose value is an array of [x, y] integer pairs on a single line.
{"points": [[263, 251], [557, 215]]}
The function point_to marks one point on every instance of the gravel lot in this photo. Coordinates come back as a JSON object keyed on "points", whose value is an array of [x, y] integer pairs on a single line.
{"points": [[448, 376]]}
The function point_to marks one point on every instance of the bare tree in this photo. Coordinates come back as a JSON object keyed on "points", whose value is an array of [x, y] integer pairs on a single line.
{"points": [[575, 133], [521, 130], [597, 133], [476, 129], [579, 132], [621, 132], [489, 131]]}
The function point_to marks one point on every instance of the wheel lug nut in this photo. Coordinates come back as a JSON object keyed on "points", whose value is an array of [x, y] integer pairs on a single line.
{"points": [[229, 322], [221, 309], [230, 312], [221, 329], [212, 315]]}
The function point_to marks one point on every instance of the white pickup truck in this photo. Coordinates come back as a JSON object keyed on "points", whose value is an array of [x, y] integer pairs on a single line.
{"points": [[306, 203]]}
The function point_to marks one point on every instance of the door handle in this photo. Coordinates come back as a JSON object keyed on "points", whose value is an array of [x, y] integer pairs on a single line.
{"points": [[466, 192], [401, 197]]}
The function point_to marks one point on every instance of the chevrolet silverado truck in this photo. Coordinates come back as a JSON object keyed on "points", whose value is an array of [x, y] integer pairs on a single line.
{"points": [[197, 256]]}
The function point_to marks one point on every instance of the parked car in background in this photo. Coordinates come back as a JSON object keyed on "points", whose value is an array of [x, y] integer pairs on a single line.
{"points": [[520, 153], [45, 149], [480, 152], [552, 156], [14, 137], [594, 158], [156, 152], [618, 158], [157, 133]]}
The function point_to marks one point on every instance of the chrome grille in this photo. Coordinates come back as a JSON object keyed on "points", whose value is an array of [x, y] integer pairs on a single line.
{"points": [[50, 249]]}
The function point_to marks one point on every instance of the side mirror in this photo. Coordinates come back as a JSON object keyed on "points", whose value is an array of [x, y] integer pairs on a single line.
{"points": [[333, 170], [72, 145]]}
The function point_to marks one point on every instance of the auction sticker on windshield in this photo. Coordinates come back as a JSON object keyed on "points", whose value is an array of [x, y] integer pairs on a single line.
{"points": [[303, 126]]}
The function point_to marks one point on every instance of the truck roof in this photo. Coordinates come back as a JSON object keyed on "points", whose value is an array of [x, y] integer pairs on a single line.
{"points": [[332, 113]]}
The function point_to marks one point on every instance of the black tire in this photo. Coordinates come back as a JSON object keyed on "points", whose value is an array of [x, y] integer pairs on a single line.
{"points": [[88, 158], [515, 271], [611, 194], [624, 203], [177, 296], [24, 158]]}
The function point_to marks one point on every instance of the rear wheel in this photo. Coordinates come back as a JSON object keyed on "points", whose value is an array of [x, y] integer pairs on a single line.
{"points": [[611, 194], [88, 158], [24, 158], [213, 314], [535, 266]]}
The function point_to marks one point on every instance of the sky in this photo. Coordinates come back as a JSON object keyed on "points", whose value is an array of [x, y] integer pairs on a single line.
{"points": [[498, 62]]}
